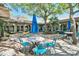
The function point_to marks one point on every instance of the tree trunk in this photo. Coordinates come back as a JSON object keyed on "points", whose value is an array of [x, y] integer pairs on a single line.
{"points": [[73, 26], [51, 27], [74, 31], [45, 26], [45, 19]]}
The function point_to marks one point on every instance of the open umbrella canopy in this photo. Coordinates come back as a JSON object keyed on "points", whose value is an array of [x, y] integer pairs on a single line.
{"points": [[68, 25], [34, 28]]}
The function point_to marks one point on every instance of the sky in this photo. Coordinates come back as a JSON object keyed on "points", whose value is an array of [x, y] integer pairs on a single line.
{"points": [[20, 13], [15, 13]]}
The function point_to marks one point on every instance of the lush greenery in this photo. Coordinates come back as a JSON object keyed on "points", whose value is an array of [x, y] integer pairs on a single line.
{"points": [[45, 11]]}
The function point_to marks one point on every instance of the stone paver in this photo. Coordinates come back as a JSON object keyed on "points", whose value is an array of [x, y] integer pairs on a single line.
{"points": [[64, 49]]}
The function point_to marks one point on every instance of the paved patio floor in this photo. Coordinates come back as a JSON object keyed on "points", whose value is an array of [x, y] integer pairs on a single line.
{"points": [[62, 49]]}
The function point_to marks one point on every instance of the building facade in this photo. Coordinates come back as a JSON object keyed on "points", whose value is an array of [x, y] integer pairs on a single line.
{"points": [[10, 25], [15, 26]]}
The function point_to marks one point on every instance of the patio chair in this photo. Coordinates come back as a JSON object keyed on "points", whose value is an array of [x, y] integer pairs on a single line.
{"points": [[26, 46], [77, 34], [26, 43], [51, 47], [28, 35], [62, 35], [40, 50]]}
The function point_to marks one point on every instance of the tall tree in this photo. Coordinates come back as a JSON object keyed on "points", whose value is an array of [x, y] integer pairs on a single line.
{"points": [[45, 11], [73, 9], [74, 24]]}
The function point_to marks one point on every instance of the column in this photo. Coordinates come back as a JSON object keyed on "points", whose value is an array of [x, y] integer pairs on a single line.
{"points": [[24, 28], [62, 27], [20, 28], [59, 27], [9, 28], [2, 32], [28, 28], [43, 28], [15, 28], [78, 26], [55, 27], [67, 27]]}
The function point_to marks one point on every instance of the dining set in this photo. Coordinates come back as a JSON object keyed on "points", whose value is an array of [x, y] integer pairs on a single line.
{"points": [[36, 45]]}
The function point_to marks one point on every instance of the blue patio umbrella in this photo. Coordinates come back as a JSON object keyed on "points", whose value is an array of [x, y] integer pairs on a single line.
{"points": [[34, 28], [68, 25]]}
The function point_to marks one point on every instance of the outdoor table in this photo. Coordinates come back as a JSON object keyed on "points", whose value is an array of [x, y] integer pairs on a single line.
{"points": [[50, 43], [60, 32], [69, 33], [28, 35], [32, 39], [40, 39]]}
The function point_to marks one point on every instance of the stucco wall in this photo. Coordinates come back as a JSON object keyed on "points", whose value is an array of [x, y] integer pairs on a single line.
{"points": [[4, 12]]}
